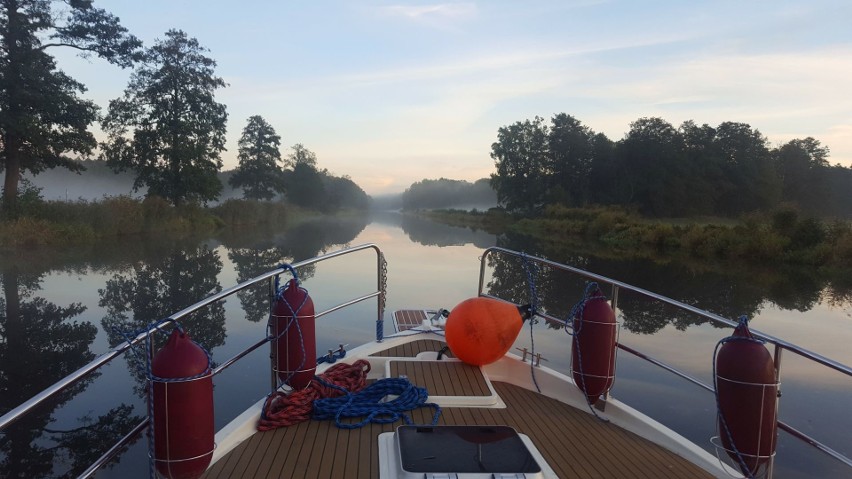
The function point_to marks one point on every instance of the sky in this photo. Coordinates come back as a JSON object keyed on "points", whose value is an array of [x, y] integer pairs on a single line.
{"points": [[390, 93]]}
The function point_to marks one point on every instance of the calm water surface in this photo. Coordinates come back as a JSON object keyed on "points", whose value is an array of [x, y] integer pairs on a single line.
{"points": [[61, 309]]}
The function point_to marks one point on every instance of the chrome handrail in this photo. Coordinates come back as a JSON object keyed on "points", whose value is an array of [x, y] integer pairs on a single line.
{"points": [[780, 344], [24, 408]]}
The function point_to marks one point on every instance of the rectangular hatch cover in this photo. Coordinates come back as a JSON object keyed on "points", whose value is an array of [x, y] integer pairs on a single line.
{"points": [[464, 450]]}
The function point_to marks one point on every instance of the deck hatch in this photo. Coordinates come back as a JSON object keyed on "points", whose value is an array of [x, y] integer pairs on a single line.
{"points": [[464, 449]]}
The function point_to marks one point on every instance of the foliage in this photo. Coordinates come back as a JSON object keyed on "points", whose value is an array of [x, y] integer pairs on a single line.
{"points": [[521, 157], [305, 187], [43, 120], [342, 192], [571, 155], [152, 291], [782, 237], [167, 127], [663, 171], [445, 193], [35, 333], [258, 172], [235, 213], [301, 156]]}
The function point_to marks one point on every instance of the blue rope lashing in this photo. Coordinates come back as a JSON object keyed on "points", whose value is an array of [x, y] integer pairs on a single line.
{"points": [[292, 271], [531, 270], [368, 403], [577, 312], [743, 321], [380, 330]]}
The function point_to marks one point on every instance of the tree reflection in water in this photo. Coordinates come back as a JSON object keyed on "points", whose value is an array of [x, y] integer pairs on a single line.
{"points": [[40, 345], [726, 291], [303, 241], [154, 290]]}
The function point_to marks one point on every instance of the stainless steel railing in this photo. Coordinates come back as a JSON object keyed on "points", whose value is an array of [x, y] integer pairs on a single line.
{"points": [[380, 294], [779, 344]]}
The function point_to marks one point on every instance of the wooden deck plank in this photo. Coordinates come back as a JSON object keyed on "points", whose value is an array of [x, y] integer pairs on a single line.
{"points": [[310, 450], [330, 444], [365, 451], [573, 443], [413, 348], [443, 378]]}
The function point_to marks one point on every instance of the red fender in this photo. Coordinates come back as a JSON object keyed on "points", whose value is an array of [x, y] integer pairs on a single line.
{"points": [[593, 347], [747, 391], [183, 411], [296, 349]]}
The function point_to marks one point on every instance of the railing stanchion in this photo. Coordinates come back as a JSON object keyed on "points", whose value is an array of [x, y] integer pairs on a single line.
{"points": [[614, 301], [273, 351]]}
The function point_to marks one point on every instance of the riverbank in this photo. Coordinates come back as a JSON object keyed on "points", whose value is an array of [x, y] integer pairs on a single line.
{"points": [[57, 223], [782, 236]]}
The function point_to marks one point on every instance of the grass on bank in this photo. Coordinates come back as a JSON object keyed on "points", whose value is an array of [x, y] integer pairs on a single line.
{"points": [[783, 235], [59, 222]]}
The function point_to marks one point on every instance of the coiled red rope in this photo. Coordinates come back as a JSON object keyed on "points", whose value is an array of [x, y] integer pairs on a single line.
{"points": [[283, 409]]}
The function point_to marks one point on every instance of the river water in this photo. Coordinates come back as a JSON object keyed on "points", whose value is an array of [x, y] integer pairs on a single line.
{"points": [[60, 309]]}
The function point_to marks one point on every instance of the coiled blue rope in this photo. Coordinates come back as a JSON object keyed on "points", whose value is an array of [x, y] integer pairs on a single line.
{"points": [[742, 322], [368, 403]]}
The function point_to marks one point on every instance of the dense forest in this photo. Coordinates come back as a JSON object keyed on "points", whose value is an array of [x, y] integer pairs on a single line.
{"points": [[664, 171]]}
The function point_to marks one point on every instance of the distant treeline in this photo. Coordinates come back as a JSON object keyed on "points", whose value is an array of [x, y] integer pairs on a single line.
{"points": [[663, 171], [444, 193]]}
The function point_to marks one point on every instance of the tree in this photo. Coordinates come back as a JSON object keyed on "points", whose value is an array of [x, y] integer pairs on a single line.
{"points": [[521, 157], [803, 165], [650, 156], [301, 155], [342, 192], [748, 167], [258, 173], [571, 154], [305, 187], [178, 129], [156, 289], [43, 121], [33, 333], [304, 183]]}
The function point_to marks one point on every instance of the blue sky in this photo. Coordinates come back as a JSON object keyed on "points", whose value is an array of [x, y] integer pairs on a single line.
{"points": [[393, 92]]}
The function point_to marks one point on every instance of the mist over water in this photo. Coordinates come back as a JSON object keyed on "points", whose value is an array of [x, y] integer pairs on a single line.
{"points": [[99, 181]]}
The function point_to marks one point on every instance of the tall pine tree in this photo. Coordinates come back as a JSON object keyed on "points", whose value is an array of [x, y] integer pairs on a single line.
{"points": [[259, 173]]}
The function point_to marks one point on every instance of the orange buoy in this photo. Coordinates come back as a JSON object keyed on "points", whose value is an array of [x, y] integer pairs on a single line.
{"points": [[593, 348], [182, 408], [746, 392], [480, 330]]}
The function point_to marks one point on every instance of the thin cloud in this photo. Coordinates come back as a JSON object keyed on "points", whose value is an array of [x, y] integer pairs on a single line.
{"points": [[451, 11]]}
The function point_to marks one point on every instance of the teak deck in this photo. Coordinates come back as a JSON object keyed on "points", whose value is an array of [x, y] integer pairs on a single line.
{"points": [[573, 443]]}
